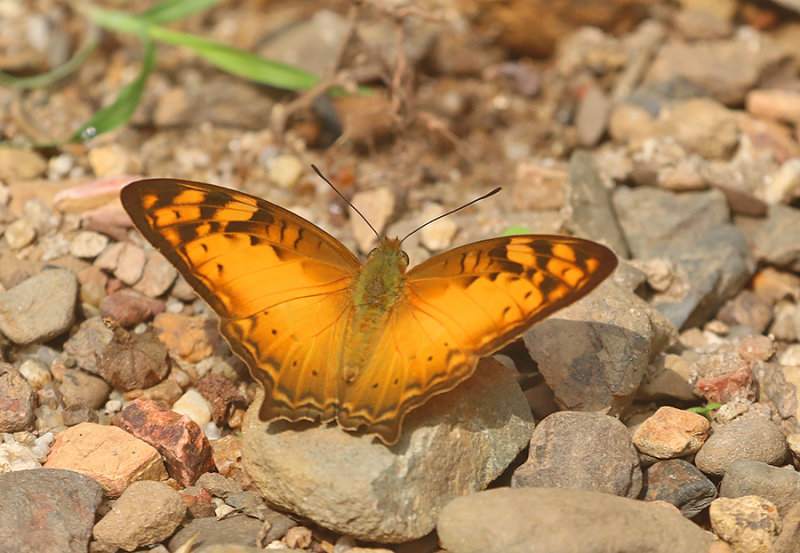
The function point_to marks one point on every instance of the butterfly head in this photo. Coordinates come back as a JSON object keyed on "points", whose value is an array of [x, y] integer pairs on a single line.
{"points": [[389, 252]]}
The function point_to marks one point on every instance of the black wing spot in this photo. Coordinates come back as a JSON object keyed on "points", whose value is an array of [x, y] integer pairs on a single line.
{"points": [[430, 358], [254, 240], [205, 248], [314, 373], [527, 294], [177, 214], [506, 309], [274, 331], [294, 363], [220, 268], [396, 381], [375, 385]]}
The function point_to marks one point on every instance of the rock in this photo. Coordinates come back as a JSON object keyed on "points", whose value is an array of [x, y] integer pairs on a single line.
{"points": [[774, 239], [772, 285], [667, 377], [544, 520], [19, 234], [591, 116], [127, 308], [738, 385], [193, 405], [790, 534], [113, 159], [630, 123], [190, 338], [539, 184], [439, 235], [227, 454], [76, 414], [774, 103], [145, 514], [727, 69], [605, 342], [757, 348], [79, 388], [784, 186], [754, 438], [222, 394], [108, 454], [750, 524], [134, 361], [747, 309], [377, 206], [217, 484], [20, 165], [285, 170], [456, 444], [779, 389], [681, 484], [88, 343], [47, 511], [664, 163], [88, 244], [35, 372], [712, 256], [704, 127], [40, 308], [590, 204], [177, 438], [17, 401], [235, 530], [748, 477], [581, 450], [158, 276], [670, 433], [697, 24]]}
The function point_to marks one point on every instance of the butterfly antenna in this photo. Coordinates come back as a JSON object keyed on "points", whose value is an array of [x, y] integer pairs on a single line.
{"points": [[318, 172], [492, 193]]}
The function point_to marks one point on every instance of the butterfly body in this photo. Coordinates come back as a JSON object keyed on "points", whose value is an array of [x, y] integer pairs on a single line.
{"points": [[332, 339]]}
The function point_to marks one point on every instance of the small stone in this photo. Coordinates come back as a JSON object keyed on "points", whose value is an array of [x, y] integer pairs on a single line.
{"points": [[747, 309], [377, 206], [671, 432], [235, 531], [783, 105], [217, 485], [108, 454], [784, 186], [79, 388], [40, 308], [754, 438], [36, 373], [145, 514], [733, 386], [88, 343], [285, 170], [20, 165], [177, 437], [191, 338], [681, 484], [88, 244], [127, 308], [157, 277], [581, 450], [15, 456], [76, 414], [774, 239], [773, 285], [591, 116], [539, 185], [19, 234], [130, 264], [747, 477], [113, 159], [193, 405], [757, 347], [227, 453], [750, 523], [222, 394], [17, 401], [437, 236], [790, 533], [47, 511], [298, 537], [703, 126], [631, 123], [133, 361]]}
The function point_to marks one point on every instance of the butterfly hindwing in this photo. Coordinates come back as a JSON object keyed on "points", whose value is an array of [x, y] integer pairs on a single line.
{"points": [[278, 283]]}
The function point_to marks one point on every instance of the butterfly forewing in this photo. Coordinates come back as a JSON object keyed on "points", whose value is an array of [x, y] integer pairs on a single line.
{"points": [[278, 283], [464, 304]]}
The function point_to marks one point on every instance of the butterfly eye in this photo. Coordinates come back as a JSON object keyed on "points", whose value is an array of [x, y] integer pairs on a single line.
{"points": [[372, 252], [405, 256]]}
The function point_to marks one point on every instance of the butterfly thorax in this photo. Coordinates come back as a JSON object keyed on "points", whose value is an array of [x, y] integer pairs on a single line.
{"points": [[375, 292]]}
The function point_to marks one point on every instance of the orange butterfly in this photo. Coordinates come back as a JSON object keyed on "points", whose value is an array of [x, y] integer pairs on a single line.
{"points": [[331, 338]]}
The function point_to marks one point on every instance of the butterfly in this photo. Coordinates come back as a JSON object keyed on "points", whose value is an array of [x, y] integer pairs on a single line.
{"points": [[330, 338]]}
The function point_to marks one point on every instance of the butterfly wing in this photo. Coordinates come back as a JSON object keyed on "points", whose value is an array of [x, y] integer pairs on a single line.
{"points": [[464, 304], [278, 283]]}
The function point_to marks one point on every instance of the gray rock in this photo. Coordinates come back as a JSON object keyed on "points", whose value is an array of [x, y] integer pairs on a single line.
{"points": [[693, 232], [680, 483], [594, 353], [80, 388], [590, 202], [217, 485], [47, 511], [39, 308], [651, 217], [455, 444], [775, 239], [146, 513], [581, 450], [790, 534], [236, 530], [748, 477], [545, 520], [755, 438], [779, 387], [87, 344]]}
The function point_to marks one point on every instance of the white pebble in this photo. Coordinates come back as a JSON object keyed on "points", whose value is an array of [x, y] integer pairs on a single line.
{"points": [[19, 234], [284, 170], [88, 244], [193, 405], [36, 373]]}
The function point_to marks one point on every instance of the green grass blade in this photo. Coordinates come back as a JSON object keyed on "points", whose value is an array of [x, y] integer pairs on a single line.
{"points": [[58, 73], [123, 108], [173, 10]]}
